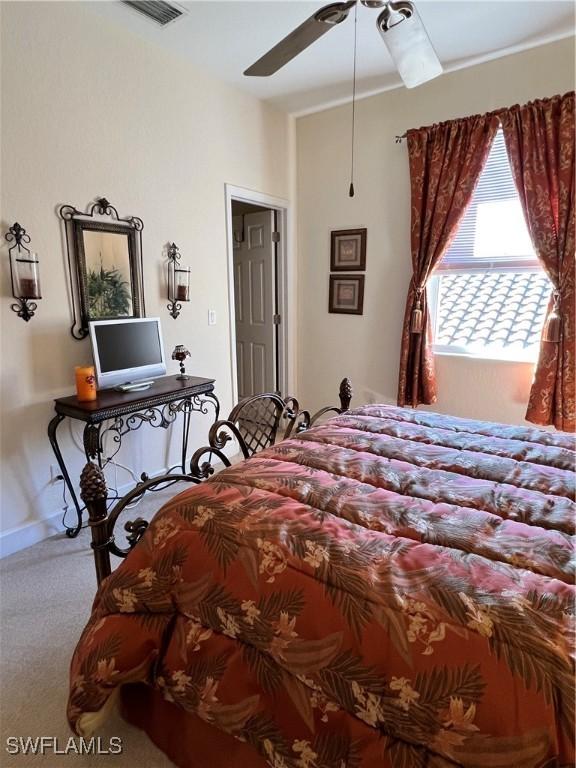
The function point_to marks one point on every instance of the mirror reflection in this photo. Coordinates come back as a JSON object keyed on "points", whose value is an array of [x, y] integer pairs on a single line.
{"points": [[108, 283]]}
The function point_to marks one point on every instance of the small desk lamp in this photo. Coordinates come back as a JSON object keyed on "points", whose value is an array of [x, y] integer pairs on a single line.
{"points": [[181, 353]]}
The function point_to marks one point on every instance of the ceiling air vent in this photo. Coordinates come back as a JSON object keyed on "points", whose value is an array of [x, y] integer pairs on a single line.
{"points": [[158, 11]]}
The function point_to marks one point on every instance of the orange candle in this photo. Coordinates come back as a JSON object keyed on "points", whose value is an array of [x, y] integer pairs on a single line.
{"points": [[85, 383]]}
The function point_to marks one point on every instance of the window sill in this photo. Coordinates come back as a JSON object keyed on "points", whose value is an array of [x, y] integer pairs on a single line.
{"points": [[491, 356]]}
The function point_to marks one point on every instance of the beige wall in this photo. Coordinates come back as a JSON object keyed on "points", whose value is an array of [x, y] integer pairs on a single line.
{"points": [[89, 110], [367, 347]]}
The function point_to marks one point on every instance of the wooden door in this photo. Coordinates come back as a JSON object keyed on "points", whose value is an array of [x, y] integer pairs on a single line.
{"points": [[254, 297]]}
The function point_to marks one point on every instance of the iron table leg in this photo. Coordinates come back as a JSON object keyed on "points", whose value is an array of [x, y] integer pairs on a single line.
{"points": [[196, 403], [52, 427], [185, 434], [211, 396]]}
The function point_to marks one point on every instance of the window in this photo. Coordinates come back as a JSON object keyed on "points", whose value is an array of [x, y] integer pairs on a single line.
{"points": [[489, 294]]}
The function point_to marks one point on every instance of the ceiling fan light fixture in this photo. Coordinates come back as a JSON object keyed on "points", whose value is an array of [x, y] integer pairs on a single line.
{"points": [[408, 43]]}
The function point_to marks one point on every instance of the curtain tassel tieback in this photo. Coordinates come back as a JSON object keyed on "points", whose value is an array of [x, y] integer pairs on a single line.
{"points": [[553, 323], [417, 320]]}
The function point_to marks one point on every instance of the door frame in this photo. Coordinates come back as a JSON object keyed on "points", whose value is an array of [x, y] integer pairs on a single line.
{"points": [[284, 277]]}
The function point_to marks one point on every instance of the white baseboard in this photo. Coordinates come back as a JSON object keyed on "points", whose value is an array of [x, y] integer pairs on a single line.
{"points": [[26, 535], [375, 398]]}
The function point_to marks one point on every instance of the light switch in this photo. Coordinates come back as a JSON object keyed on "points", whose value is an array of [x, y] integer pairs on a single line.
{"points": [[211, 317]]}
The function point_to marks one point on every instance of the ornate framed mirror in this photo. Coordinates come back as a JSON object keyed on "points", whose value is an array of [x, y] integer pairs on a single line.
{"points": [[105, 264]]}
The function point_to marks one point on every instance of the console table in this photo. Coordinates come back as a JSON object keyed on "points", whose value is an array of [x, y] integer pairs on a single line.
{"points": [[121, 412]]}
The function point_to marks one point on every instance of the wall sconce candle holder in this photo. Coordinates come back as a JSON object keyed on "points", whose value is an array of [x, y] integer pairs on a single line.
{"points": [[178, 281], [24, 272]]}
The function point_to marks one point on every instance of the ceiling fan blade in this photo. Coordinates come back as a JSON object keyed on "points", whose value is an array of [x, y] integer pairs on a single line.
{"points": [[307, 33]]}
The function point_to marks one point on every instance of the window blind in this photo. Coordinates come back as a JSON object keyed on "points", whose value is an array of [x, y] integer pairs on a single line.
{"points": [[496, 184]]}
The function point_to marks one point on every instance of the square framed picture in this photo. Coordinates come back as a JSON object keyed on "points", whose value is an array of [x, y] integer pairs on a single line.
{"points": [[348, 250], [346, 295]]}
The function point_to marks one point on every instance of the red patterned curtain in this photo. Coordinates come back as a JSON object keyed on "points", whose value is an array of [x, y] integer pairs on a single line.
{"points": [[445, 163], [541, 146]]}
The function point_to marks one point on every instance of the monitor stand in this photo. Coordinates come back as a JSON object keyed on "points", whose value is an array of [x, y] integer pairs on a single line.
{"points": [[134, 386]]}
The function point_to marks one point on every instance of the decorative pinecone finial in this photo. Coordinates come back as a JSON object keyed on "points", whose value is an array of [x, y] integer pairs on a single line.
{"points": [[345, 393], [92, 483]]}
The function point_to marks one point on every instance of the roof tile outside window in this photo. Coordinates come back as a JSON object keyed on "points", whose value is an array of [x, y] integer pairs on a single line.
{"points": [[498, 311]]}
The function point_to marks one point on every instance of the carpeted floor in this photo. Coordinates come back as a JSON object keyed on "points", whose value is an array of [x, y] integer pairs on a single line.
{"points": [[45, 596]]}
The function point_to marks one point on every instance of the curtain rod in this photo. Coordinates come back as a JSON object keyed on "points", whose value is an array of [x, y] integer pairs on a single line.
{"points": [[496, 112]]}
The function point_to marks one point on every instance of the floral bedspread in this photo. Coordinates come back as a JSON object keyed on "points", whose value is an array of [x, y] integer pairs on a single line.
{"points": [[391, 588]]}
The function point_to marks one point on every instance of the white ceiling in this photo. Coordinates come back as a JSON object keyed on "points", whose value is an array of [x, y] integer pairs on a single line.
{"points": [[223, 37]]}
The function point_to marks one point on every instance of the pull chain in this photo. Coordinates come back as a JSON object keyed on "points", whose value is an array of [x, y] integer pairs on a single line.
{"points": [[351, 189]]}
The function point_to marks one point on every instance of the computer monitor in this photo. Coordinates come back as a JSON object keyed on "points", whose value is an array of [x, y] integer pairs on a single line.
{"points": [[127, 350]]}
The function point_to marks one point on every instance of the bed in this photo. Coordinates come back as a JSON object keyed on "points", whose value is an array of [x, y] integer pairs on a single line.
{"points": [[389, 588]]}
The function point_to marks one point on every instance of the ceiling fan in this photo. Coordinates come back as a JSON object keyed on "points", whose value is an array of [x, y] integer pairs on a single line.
{"points": [[398, 23]]}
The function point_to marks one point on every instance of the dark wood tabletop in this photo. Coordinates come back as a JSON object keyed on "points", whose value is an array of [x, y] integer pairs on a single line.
{"points": [[111, 403]]}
